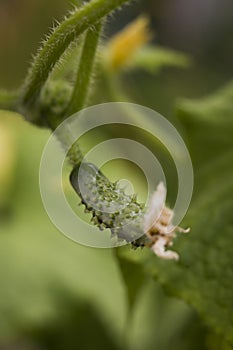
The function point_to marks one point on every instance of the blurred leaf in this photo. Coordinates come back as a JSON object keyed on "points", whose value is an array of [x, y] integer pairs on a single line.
{"points": [[40, 267], [73, 328], [154, 58], [159, 321], [204, 275], [7, 165], [133, 275], [209, 124]]}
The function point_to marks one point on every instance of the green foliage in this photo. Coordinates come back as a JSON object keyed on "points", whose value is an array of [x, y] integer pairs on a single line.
{"points": [[59, 295], [209, 124], [40, 269], [44, 276], [204, 275], [134, 278], [160, 322], [155, 58]]}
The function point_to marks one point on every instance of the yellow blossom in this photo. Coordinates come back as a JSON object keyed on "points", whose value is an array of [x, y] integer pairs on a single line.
{"points": [[125, 44]]}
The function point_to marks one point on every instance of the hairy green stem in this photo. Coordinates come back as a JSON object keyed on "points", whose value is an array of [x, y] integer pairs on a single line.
{"points": [[81, 87], [57, 43], [84, 72]]}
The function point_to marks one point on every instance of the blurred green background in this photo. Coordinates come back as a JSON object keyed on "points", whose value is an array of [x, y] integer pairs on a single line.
{"points": [[56, 294]]}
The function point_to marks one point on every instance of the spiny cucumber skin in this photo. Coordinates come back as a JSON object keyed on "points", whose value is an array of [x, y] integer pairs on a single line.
{"points": [[98, 194]]}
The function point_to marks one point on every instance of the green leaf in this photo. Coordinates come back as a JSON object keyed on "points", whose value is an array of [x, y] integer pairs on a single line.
{"points": [[155, 58], [209, 124], [159, 321], [204, 275], [133, 275], [44, 276]]}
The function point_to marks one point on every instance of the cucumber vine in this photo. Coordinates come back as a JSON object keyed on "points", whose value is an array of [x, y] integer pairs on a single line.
{"points": [[47, 102]]}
